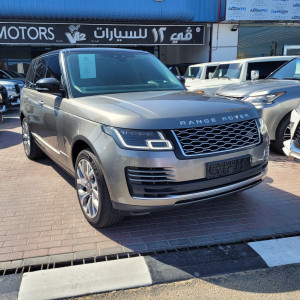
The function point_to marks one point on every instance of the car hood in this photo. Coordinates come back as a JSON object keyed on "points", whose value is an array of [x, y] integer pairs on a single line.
{"points": [[10, 81], [259, 87], [198, 84], [160, 110]]}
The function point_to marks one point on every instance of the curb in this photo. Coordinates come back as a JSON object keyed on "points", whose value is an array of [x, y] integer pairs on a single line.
{"points": [[147, 270]]}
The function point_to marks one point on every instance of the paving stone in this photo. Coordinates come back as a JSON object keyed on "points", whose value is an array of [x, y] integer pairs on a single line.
{"points": [[40, 217]]}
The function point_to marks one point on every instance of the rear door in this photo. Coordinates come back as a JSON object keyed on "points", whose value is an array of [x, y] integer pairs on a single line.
{"points": [[30, 97]]}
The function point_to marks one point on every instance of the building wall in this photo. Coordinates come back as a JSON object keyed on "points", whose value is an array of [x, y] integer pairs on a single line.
{"points": [[114, 10], [224, 42]]}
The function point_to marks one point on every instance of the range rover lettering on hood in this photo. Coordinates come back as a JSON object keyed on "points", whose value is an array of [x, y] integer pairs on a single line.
{"points": [[216, 120]]}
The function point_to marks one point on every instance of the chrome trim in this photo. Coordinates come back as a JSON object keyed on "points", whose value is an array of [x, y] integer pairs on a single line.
{"points": [[45, 143], [218, 152], [211, 192]]}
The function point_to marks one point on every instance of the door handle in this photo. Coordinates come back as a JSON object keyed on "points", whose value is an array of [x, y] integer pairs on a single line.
{"points": [[41, 102]]}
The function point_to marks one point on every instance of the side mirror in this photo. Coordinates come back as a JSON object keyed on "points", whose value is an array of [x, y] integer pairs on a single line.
{"points": [[210, 75], [254, 74], [48, 85], [181, 79]]}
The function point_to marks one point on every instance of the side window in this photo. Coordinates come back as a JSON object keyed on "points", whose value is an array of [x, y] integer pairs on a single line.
{"points": [[265, 68], [210, 69], [39, 69], [30, 75], [53, 68]]}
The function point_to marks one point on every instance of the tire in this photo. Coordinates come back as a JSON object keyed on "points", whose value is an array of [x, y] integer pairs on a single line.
{"points": [[31, 149], [282, 134], [92, 192]]}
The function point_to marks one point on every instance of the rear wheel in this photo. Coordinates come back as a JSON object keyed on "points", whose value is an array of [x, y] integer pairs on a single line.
{"points": [[31, 149], [92, 191], [283, 133]]}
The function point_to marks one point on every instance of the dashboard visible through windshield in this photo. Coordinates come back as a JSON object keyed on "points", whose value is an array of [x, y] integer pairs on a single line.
{"points": [[94, 73]]}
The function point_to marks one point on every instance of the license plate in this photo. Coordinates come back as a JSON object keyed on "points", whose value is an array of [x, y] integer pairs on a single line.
{"points": [[227, 167]]}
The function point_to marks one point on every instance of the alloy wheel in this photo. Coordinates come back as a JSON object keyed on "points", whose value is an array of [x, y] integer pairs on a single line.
{"points": [[287, 133], [87, 188], [26, 137]]}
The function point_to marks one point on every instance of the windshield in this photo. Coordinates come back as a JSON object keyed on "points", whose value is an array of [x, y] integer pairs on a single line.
{"points": [[106, 72], [228, 71], [193, 72], [291, 70]]}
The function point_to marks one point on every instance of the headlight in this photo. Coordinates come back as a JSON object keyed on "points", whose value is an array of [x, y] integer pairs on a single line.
{"points": [[10, 87], [138, 139], [262, 126], [264, 99]]}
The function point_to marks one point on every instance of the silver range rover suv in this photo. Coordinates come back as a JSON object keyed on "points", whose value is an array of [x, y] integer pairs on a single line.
{"points": [[134, 139]]}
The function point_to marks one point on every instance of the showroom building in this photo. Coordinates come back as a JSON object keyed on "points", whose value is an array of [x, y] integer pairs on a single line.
{"points": [[176, 31]]}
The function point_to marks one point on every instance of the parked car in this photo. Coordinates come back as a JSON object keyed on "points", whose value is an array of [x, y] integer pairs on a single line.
{"points": [[13, 88], [292, 146], [275, 98], [134, 139], [3, 97], [198, 72], [178, 69], [238, 71], [5, 74]]}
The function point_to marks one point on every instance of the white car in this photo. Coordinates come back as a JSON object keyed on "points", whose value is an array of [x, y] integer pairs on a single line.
{"points": [[198, 72], [238, 71], [292, 146]]}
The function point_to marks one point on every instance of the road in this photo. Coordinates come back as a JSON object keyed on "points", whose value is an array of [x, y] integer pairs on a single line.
{"points": [[274, 283]]}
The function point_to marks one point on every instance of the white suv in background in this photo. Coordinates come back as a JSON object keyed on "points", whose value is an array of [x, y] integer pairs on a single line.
{"points": [[238, 71], [199, 72]]}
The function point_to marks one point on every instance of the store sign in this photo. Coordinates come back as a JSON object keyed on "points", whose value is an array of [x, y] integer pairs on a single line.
{"points": [[93, 34], [262, 10]]}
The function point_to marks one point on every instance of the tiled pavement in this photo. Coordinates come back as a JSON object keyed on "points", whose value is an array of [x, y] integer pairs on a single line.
{"points": [[41, 221]]}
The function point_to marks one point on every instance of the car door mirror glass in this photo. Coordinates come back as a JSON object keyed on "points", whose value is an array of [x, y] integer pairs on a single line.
{"points": [[254, 74]]}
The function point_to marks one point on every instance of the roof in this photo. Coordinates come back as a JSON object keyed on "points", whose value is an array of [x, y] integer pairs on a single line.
{"points": [[92, 50], [257, 59], [206, 64]]}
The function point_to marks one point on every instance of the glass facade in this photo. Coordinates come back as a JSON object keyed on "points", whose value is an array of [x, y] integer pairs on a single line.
{"points": [[18, 58], [262, 40]]}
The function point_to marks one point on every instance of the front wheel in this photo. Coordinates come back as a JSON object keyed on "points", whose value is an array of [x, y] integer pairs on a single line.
{"points": [[283, 133], [92, 191]]}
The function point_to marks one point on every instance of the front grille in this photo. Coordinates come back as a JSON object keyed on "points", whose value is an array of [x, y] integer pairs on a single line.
{"points": [[17, 88], [218, 138], [297, 136]]}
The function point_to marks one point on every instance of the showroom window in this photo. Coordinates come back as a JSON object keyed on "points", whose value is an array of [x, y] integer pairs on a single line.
{"points": [[262, 40]]}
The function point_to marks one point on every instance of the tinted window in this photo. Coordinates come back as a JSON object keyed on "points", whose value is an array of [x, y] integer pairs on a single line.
{"points": [[30, 75], [289, 71], [53, 68], [210, 69], [193, 72], [104, 72], [228, 71], [39, 69], [265, 68], [3, 75]]}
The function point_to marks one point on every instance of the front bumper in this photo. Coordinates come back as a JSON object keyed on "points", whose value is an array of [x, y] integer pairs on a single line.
{"points": [[115, 161], [290, 149]]}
